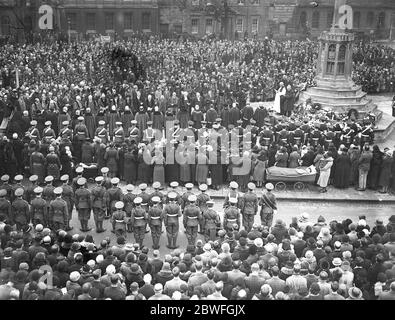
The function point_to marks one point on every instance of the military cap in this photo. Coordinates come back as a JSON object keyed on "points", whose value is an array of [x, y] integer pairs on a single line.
{"points": [[81, 181], [115, 180], [190, 123], [5, 178], [38, 190], [19, 192], [192, 198], [119, 205], [64, 178], [269, 186], [174, 184], [251, 186], [172, 195], [138, 200], [239, 121], [65, 123], [33, 178], [102, 123], [252, 121], [149, 122], [58, 191], [189, 185], [143, 186], [176, 122], [133, 122], [48, 178], [80, 118], [79, 170], [48, 123], [203, 187], [118, 123], [203, 122], [3, 192], [33, 123], [104, 170], [155, 199], [129, 187], [233, 185], [99, 179], [18, 177], [233, 200], [156, 185], [218, 120]]}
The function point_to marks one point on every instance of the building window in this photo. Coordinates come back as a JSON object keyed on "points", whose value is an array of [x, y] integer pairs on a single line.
{"points": [[239, 25], [381, 20], [315, 23], [195, 26], [5, 26], [370, 18], [72, 20], [91, 21], [209, 26], [329, 19], [254, 25], [303, 19], [341, 59], [128, 21], [146, 21], [330, 66], [109, 21], [356, 20]]}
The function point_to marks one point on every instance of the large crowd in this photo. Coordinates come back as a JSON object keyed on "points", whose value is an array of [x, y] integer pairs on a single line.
{"points": [[77, 113]]}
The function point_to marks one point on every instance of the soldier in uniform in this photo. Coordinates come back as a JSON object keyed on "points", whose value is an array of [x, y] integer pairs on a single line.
{"points": [[18, 184], [106, 179], [211, 222], [128, 200], [268, 206], [174, 185], [283, 136], [34, 133], [155, 216], [48, 132], [231, 215], [156, 186], [6, 186], [134, 132], [83, 204], [192, 218], [29, 191], [184, 197], [305, 127], [20, 211], [114, 194], [48, 196], [266, 136], [148, 134], [172, 212], [66, 132], [68, 196], [101, 132], [119, 135], [119, 219], [58, 211], [144, 196], [233, 193], [5, 207], [315, 137], [38, 208], [201, 202], [79, 171], [139, 221], [329, 137], [297, 135], [249, 207], [80, 130], [98, 196]]}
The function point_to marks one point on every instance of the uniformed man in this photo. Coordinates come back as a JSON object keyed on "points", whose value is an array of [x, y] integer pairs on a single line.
{"points": [[268, 206], [48, 196], [305, 127], [101, 132], [315, 137], [211, 221], [38, 209], [106, 179], [79, 171], [172, 213], [99, 206], [68, 196], [156, 186], [134, 132], [139, 220], [155, 216], [144, 196], [174, 185], [201, 202], [233, 193], [34, 133], [83, 204], [148, 134], [119, 134], [48, 132], [80, 130], [249, 207], [58, 211], [186, 194], [6, 186], [18, 184], [128, 200], [297, 135], [29, 191], [5, 207], [119, 219], [20, 211], [65, 131], [113, 195], [231, 215], [283, 136], [191, 220]]}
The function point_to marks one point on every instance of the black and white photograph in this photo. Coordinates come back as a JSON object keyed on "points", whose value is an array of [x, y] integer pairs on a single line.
{"points": [[198, 150]]}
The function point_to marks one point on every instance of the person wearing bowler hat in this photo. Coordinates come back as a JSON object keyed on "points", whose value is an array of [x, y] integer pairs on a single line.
{"points": [[83, 204], [20, 211], [268, 205], [139, 220], [119, 220], [58, 211], [249, 207], [98, 195]]}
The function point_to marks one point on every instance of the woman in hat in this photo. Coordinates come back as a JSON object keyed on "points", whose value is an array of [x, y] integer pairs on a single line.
{"points": [[385, 172], [325, 171], [342, 169]]}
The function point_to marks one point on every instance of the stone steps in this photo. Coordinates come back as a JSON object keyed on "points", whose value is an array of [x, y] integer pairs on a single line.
{"points": [[384, 128]]}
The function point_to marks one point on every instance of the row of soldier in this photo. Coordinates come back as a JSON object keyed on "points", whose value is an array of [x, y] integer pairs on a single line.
{"points": [[130, 212]]}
